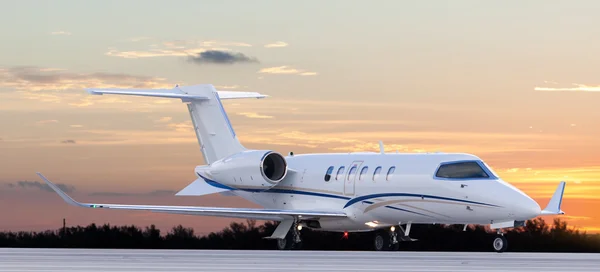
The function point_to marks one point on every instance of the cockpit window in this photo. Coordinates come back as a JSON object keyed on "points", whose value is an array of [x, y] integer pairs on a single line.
{"points": [[462, 170]]}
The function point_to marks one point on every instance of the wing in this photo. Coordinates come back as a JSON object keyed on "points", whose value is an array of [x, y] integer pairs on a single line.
{"points": [[258, 214]]}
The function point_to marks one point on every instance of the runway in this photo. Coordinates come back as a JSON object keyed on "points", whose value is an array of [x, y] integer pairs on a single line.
{"points": [[116, 260]]}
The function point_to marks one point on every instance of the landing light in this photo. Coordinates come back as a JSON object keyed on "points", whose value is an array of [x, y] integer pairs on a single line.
{"points": [[299, 227], [371, 224], [393, 228]]}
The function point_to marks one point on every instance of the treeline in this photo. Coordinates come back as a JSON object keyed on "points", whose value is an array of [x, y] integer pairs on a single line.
{"points": [[536, 236]]}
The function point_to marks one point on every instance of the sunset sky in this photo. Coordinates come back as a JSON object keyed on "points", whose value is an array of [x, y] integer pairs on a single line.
{"points": [[514, 82]]}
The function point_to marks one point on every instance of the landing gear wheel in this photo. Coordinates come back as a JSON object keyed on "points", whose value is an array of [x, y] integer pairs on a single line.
{"points": [[500, 243], [291, 241], [383, 242], [286, 243], [380, 242]]}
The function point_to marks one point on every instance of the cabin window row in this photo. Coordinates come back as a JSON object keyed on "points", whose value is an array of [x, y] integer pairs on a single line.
{"points": [[361, 176]]}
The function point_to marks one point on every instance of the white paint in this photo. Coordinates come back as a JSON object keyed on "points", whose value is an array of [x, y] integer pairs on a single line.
{"points": [[348, 201]]}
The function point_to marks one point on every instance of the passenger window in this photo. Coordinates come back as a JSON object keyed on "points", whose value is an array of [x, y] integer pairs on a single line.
{"points": [[340, 172], [461, 170], [376, 173], [363, 171], [328, 174], [351, 173], [390, 172]]}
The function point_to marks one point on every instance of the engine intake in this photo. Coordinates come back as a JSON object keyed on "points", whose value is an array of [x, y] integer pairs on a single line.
{"points": [[273, 167]]}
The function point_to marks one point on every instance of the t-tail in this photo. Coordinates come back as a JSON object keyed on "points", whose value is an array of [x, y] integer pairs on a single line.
{"points": [[216, 136]]}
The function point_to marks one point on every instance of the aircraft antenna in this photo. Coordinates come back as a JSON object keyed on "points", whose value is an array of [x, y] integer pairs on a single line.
{"points": [[381, 150]]}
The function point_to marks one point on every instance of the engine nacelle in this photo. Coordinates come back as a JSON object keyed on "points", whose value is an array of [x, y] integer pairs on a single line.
{"points": [[252, 169]]}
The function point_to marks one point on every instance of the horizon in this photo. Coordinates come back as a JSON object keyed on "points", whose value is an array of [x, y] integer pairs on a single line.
{"points": [[513, 83]]}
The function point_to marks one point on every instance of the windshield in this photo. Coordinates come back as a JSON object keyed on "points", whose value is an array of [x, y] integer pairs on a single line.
{"points": [[463, 170]]}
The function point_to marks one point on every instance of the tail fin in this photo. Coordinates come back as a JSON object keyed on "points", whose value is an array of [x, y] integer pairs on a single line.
{"points": [[215, 134]]}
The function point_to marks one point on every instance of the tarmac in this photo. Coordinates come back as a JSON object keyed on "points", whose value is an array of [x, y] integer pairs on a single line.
{"points": [[117, 260]]}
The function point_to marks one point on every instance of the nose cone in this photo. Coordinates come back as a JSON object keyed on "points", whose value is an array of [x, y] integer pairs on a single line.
{"points": [[523, 207], [527, 208]]}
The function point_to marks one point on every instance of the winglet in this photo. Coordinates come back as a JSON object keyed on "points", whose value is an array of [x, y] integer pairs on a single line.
{"points": [[553, 207], [60, 192]]}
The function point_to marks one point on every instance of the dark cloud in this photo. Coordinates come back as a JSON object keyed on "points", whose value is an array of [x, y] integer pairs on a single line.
{"points": [[68, 142], [221, 57], [42, 186], [153, 193]]}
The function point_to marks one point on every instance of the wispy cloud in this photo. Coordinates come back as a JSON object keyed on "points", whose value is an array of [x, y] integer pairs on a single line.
{"points": [[44, 122], [51, 85], [39, 79], [42, 186], [221, 57], [182, 127], [286, 70], [139, 39], [76, 126], [165, 119], [577, 88], [178, 48], [229, 87], [255, 115], [276, 44], [69, 142], [65, 33]]}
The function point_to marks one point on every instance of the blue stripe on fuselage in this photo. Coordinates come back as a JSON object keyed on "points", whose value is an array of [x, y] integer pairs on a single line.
{"points": [[365, 197], [351, 200], [399, 209]]}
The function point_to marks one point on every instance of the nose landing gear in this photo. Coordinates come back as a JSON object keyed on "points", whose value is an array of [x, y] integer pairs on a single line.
{"points": [[500, 243]]}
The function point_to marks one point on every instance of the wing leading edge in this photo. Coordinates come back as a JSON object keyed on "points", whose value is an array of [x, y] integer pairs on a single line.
{"points": [[258, 214]]}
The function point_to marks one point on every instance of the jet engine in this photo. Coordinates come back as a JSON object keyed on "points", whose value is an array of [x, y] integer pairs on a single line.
{"points": [[252, 169]]}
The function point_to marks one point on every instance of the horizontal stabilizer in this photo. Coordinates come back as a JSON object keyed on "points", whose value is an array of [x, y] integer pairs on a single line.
{"points": [[553, 207], [237, 95], [177, 92], [257, 214], [200, 187]]}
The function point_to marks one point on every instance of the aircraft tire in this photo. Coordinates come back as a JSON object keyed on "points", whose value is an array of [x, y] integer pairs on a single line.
{"points": [[381, 241], [500, 244], [286, 243]]}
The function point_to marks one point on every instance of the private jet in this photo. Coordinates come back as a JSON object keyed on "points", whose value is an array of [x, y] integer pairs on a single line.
{"points": [[378, 192]]}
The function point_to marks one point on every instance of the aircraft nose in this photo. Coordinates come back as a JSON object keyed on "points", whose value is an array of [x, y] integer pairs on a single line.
{"points": [[527, 207]]}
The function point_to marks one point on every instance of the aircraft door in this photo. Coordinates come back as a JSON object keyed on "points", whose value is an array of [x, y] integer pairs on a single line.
{"points": [[349, 180]]}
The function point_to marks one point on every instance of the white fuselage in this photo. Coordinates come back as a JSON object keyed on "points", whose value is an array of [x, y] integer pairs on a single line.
{"points": [[412, 193]]}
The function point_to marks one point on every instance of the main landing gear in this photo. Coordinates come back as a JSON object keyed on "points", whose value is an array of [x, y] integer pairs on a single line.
{"points": [[389, 239], [386, 240], [292, 239], [500, 242]]}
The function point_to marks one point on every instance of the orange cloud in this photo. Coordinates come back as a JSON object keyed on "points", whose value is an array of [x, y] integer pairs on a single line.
{"points": [[285, 70], [578, 88]]}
